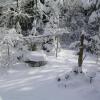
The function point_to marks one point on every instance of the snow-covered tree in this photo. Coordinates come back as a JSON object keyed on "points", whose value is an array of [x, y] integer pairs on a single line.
{"points": [[11, 48]]}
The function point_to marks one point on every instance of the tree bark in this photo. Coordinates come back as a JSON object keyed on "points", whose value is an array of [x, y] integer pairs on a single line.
{"points": [[17, 4], [80, 58], [57, 46]]}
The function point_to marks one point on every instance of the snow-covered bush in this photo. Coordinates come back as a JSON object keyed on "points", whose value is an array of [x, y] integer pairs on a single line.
{"points": [[11, 48]]}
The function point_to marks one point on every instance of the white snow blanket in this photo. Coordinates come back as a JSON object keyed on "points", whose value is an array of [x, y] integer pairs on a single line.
{"points": [[35, 56], [40, 83]]}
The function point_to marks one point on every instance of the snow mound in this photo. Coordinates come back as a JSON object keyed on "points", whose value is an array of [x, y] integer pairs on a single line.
{"points": [[35, 59], [35, 56]]}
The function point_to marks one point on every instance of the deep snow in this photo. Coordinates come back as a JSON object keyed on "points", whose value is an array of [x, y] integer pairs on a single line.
{"points": [[25, 83]]}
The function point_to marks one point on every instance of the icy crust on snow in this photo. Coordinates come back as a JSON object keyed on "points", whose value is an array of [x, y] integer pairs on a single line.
{"points": [[34, 56]]}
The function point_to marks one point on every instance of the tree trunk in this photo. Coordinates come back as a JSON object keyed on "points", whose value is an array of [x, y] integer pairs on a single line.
{"points": [[17, 4], [36, 3], [80, 58], [57, 46]]}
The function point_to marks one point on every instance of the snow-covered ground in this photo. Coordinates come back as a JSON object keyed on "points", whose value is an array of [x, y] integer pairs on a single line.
{"points": [[26, 83]]}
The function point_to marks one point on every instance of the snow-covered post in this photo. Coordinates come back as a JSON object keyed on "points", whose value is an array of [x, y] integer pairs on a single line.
{"points": [[97, 57], [8, 54], [98, 46], [97, 52], [17, 4], [57, 37], [35, 22], [8, 51], [80, 58], [57, 46]]}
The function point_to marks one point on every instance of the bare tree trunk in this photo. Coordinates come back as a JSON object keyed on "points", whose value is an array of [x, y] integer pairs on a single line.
{"points": [[80, 58], [57, 46], [97, 60], [8, 54], [17, 4]]}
